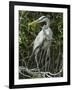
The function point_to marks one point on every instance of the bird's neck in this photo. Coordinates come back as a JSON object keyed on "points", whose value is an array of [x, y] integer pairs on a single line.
{"points": [[45, 26]]}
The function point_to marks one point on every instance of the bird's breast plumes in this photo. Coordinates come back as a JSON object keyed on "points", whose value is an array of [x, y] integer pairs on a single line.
{"points": [[45, 35]]}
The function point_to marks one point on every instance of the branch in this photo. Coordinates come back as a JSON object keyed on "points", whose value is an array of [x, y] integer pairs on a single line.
{"points": [[55, 73], [34, 71], [24, 74]]}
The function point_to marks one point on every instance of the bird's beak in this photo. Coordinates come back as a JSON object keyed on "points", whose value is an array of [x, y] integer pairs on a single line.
{"points": [[34, 22]]}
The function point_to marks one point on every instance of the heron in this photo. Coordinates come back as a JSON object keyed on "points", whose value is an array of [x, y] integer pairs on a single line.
{"points": [[43, 38]]}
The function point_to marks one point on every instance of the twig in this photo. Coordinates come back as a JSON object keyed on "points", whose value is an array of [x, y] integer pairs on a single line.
{"points": [[48, 76], [55, 73], [24, 74]]}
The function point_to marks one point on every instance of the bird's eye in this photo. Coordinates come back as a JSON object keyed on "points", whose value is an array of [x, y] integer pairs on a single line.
{"points": [[43, 23]]}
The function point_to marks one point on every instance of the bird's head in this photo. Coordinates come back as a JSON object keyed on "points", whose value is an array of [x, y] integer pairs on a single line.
{"points": [[40, 20]]}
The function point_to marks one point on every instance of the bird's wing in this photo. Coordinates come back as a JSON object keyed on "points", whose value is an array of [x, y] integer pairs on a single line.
{"points": [[39, 39]]}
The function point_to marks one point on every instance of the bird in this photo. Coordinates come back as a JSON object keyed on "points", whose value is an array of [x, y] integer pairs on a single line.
{"points": [[43, 38]]}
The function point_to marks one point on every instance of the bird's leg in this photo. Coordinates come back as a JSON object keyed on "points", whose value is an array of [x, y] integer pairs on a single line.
{"points": [[47, 55], [49, 60], [42, 60], [40, 57], [37, 63]]}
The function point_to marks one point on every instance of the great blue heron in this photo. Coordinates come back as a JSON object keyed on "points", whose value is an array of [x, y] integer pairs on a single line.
{"points": [[44, 37]]}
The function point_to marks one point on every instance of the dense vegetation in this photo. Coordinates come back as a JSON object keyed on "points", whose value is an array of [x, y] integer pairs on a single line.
{"points": [[27, 35]]}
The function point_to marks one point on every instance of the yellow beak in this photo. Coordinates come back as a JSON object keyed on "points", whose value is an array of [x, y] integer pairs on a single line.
{"points": [[33, 23]]}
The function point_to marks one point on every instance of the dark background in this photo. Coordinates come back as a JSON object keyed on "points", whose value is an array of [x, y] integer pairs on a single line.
{"points": [[28, 34]]}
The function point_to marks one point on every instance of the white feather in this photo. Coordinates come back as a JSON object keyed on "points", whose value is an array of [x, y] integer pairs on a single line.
{"points": [[41, 36]]}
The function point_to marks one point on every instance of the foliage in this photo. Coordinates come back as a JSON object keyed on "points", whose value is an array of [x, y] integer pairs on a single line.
{"points": [[28, 34]]}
